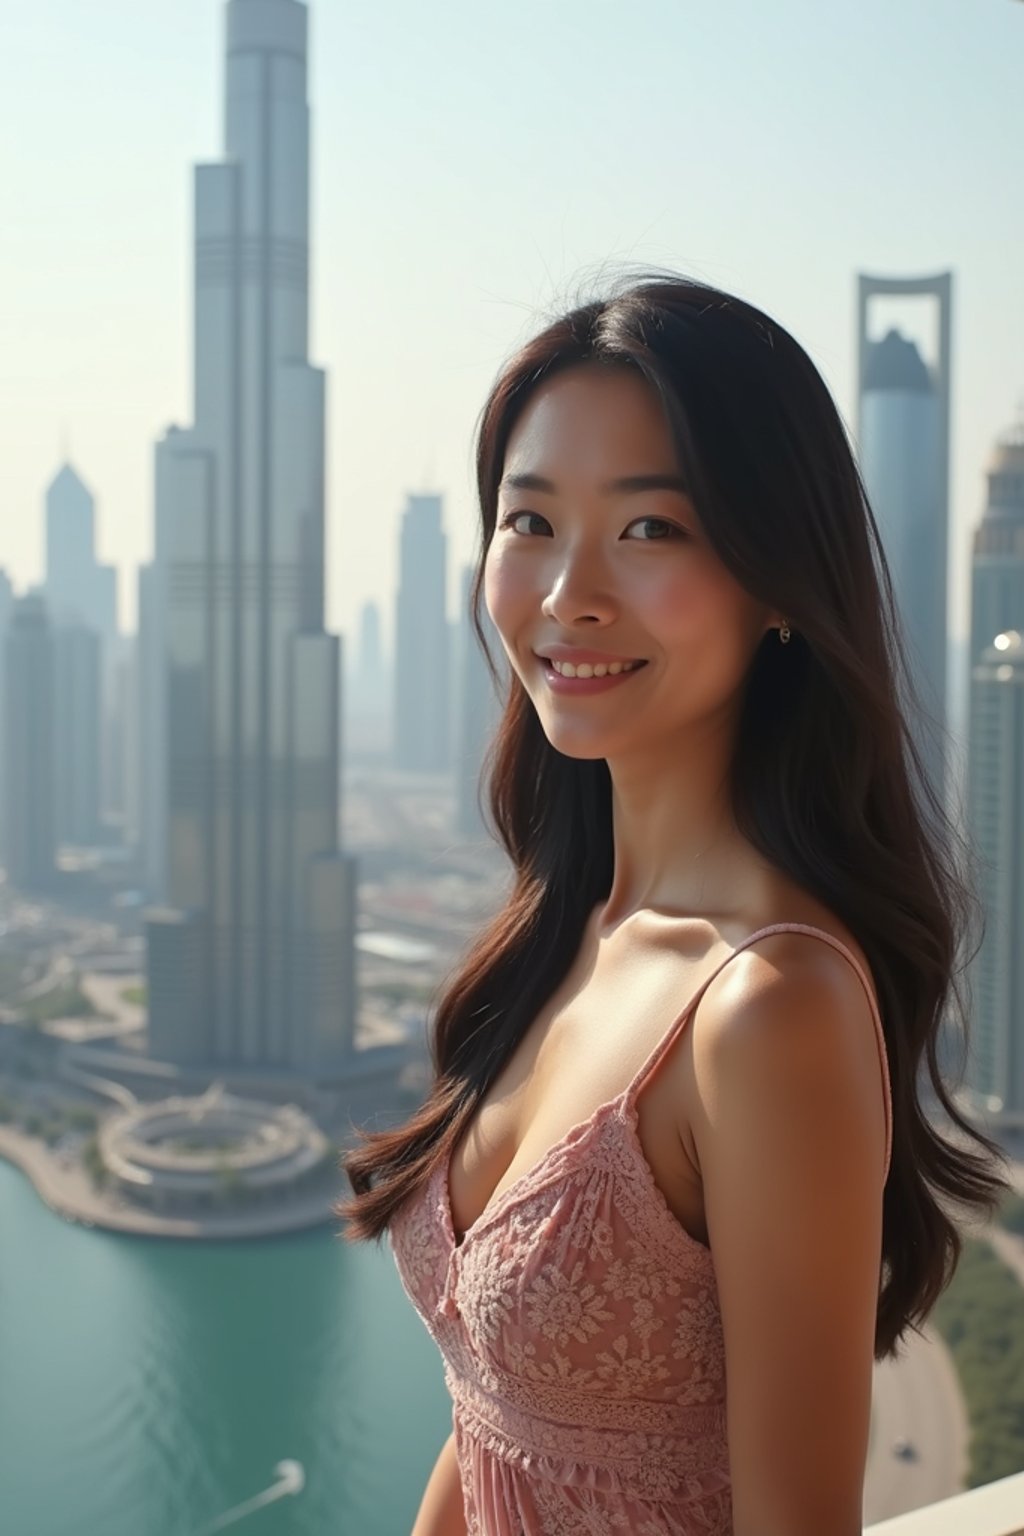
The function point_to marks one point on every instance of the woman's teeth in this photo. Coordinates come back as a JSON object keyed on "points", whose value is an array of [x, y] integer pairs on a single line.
{"points": [[585, 669]]}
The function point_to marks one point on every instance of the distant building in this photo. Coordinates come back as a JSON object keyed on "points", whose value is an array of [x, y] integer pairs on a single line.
{"points": [[152, 668], [479, 712], [453, 643], [81, 591], [77, 586], [996, 800], [242, 836], [997, 564], [28, 747], [903, 432], [368, 696], [422, 733], [77, 713], [126, 743]]}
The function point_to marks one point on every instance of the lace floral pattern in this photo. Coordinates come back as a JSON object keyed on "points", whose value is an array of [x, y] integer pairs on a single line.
{"points": [[582, 1349], [581, 1336], [575, 1285]]}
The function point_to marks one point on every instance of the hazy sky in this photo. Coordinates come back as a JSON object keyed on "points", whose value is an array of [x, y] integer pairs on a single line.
{"points": [[473, 165]]}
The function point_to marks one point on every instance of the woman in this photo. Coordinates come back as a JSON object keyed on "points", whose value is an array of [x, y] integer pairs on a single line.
{"points": [[719, 808]]}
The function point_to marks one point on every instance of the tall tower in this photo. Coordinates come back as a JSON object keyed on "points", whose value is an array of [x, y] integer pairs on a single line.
{"points": [[70, 547], [77, 715], [368, 696], [77, 586], [421, 736], [996, 782], [903, 434], [996, 800], [997, 565], [26, 739], [261, 918], [81, 591]]}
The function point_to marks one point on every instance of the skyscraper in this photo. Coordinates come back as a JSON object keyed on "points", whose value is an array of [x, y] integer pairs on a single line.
{"points": [[370, 668], [81, 591], [995, 1076], [151, 710], [26, 739], [997, 565], [903, 434], [261, 902], [996, 782], [368, 696], [77, 715], [125, 712], [77, 586], [422, 733]]}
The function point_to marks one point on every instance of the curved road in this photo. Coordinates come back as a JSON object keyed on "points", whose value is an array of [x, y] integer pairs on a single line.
{"points": [[916, 1396]]}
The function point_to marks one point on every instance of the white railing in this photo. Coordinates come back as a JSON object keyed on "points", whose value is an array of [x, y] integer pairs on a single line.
{"points": [[997, 1509]]}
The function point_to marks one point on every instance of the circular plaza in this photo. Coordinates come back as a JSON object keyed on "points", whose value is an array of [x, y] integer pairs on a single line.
{"points": [[208, 1152]]}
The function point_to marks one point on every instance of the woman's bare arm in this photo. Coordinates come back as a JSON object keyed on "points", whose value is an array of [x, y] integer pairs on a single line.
{"points": [[442, 1512], [789, 1126]]}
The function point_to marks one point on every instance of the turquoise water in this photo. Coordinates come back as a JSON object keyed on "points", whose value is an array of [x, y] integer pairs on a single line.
{"points": [[148, 1386]]}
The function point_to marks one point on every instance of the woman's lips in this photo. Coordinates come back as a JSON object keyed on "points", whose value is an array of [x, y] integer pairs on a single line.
{"points": [[584, 685]]}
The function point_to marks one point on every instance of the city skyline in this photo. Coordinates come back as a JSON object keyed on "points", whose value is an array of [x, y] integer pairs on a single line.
{"points": [[437, 251]]}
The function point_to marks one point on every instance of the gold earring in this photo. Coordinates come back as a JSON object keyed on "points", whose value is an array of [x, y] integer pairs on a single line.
{"points": [[784, 633]]}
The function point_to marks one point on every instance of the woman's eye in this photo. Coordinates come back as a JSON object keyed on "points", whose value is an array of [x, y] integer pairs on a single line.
{"points": [[663, 528], [666, 529], [511, 518]]}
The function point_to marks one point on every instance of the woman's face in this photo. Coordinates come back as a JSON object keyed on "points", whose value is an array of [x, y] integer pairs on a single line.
{"points": [[623, 572]]}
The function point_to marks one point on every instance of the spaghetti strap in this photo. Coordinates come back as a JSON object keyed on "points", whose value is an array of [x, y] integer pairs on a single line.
{"points": [[663, 1046]]}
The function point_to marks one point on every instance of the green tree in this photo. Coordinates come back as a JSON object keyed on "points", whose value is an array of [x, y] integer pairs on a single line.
{"points": [[981, 1317]]}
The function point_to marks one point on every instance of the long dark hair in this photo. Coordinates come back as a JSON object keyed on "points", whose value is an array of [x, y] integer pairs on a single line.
{"points": [[828, 782]]}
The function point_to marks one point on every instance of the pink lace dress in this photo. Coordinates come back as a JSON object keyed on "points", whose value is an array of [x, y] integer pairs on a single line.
{"points": [[580, 1332]]}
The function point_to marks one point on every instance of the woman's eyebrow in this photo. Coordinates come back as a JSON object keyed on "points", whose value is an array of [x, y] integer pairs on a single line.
{"points": [[622, 487]]}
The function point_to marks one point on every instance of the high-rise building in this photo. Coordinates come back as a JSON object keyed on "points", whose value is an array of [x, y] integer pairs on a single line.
{"points": [[995, 1078], [79, 590], [453, 650], [77, 586], [422, 733], [170, 460], [903, 433], [27, 743], [370, 668], [125, 742], [77, 682], [479, 713], [259, 922], [997, 564], [151, 710], [368, 694]]}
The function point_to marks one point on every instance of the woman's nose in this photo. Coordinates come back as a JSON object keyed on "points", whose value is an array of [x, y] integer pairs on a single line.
{"points": [[577, 592]]}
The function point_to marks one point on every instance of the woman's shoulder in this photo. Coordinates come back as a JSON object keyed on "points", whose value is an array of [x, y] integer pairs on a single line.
{"points": [[810, 931], [792, 1026]]}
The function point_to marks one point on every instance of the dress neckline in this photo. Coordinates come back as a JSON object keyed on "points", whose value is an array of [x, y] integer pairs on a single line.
{"points": [[623, 1105]]}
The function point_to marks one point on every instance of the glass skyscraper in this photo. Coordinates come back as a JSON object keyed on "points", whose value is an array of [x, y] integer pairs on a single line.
{"points": [[251, 958]]}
